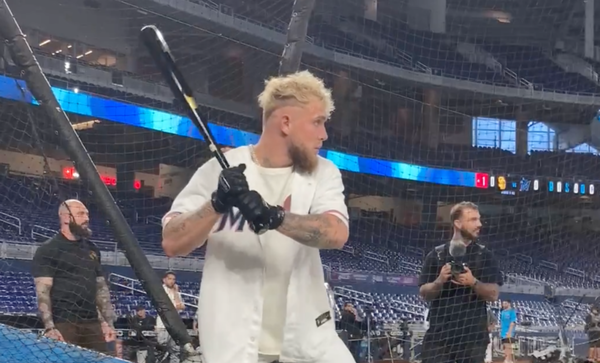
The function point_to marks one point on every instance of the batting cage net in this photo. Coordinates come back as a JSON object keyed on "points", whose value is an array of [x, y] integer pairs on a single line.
{"points": [[437, 102]]}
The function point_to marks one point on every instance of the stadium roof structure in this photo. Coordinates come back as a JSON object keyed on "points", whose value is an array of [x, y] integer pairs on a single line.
{"points": [[189, 24]]}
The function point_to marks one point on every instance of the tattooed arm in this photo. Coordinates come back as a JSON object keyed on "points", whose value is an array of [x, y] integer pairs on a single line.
{"points": [[103, 302], [327, 225], [43, 286], [324, 231], [184, 232], [191, 218]]}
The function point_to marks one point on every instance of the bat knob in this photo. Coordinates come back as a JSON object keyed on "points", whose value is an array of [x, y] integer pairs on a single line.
{"points": [[259, 228]]}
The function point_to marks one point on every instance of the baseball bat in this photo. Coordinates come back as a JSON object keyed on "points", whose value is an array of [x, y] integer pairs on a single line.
{"points": [[159, 50]]}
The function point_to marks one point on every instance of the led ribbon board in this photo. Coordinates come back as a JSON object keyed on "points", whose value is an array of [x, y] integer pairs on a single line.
{"points": [[157, 120]]}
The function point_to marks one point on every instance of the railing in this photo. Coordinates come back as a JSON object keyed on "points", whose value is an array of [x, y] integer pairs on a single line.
{"points": [[568, 303], [524, 258], [47, 233], [107, 246], [524, 280], [130, 284], [548, 264], [154, 220], [40, 231], [509, 73], [574, 272], [25, 251], [409, 266], [115, 280], [403, 303], [376, 257], [348, 249], [11, 221], [415, 251], [525, 83], [353, 294]]}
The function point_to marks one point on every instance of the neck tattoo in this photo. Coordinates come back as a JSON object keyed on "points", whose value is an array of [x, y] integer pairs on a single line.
{"points": [[253, 156]]}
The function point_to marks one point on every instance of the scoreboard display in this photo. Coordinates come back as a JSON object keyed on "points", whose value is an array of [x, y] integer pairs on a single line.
{"points": [[513, 185]]}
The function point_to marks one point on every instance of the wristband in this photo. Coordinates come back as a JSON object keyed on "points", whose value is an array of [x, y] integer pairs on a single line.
{"points": [[217, 204]]}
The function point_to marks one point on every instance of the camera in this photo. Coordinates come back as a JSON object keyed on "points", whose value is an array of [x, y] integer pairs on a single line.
{"points": [[457, 268]]}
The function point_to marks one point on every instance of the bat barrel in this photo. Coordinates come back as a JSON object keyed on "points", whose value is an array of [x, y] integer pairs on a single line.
{"points": [[158, 48]]}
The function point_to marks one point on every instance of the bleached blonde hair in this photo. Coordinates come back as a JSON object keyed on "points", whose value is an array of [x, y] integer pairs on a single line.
{"points": [[296, 88]]}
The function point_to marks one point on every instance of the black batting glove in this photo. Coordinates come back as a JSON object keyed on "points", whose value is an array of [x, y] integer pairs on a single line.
{"points": [[232, 183], [260, 215]]}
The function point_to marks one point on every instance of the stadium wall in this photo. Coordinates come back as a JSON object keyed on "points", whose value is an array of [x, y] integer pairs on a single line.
{"points": [[382, 288], [33, 165], [25, 266]]}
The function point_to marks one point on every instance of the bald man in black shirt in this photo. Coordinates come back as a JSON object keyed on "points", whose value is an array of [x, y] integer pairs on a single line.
{"points": [[73, 296]]}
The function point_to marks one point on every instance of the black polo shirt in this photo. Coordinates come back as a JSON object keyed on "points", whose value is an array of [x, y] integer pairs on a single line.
{"points": [[74, 267], [458, 314]]}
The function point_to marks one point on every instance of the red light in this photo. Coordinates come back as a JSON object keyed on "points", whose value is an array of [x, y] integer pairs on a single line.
{"points": [[137, 185], [68, 172], [481, 180], [111, 181]]}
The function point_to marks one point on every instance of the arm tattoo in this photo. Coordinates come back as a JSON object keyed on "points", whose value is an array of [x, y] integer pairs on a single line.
{"points": [[103, 302], [100, 317], [487, 291], [324, 231], [42, 289], [179, 224]]}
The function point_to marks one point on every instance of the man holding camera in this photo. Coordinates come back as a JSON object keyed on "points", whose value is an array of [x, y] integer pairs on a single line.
{"points": [[458, 278]]}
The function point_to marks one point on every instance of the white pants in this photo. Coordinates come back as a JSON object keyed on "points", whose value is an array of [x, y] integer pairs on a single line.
{"points": [[338, 352], [163, 338], [141, 356], [489, 350]]}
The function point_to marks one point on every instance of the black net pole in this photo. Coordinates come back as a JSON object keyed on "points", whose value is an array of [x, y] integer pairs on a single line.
{"points": [[40, 88], [296, 36]]}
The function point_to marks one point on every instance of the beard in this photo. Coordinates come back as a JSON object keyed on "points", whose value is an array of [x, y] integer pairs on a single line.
{"points": [[304, 161], [467, 236], [80, 231]]}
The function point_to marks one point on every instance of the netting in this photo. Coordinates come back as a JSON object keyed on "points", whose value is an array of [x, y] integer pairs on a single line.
{"points": [[434, 105]]}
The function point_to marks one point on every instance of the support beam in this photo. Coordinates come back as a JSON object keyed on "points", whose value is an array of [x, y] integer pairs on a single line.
{"points": [[588, 48]]}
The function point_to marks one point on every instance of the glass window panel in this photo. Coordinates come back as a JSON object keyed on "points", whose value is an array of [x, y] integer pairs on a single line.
{"points": [[509, 146], [584, 149], [484, 123], [488, 138], [535, 126], [538, 141], [507, 125], [508, 135]]}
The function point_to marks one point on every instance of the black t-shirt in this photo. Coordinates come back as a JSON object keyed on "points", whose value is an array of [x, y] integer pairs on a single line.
{"points": [[458, 313], [74, 267], [140, 325], [348, 323]]}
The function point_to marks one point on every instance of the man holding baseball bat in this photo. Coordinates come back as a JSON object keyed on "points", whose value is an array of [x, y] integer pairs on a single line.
{"points": [[265, 220]]}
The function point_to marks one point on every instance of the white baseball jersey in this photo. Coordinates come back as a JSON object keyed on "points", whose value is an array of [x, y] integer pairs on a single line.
{"points": [[264, 294]]}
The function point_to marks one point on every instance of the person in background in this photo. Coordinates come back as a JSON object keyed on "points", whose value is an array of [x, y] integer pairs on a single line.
{"points": [[195, 338], [140, 323], [508, 322], [350, 322], [73, 297], [458, 287], [592, 328], [492, 320], [162, 335]]}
